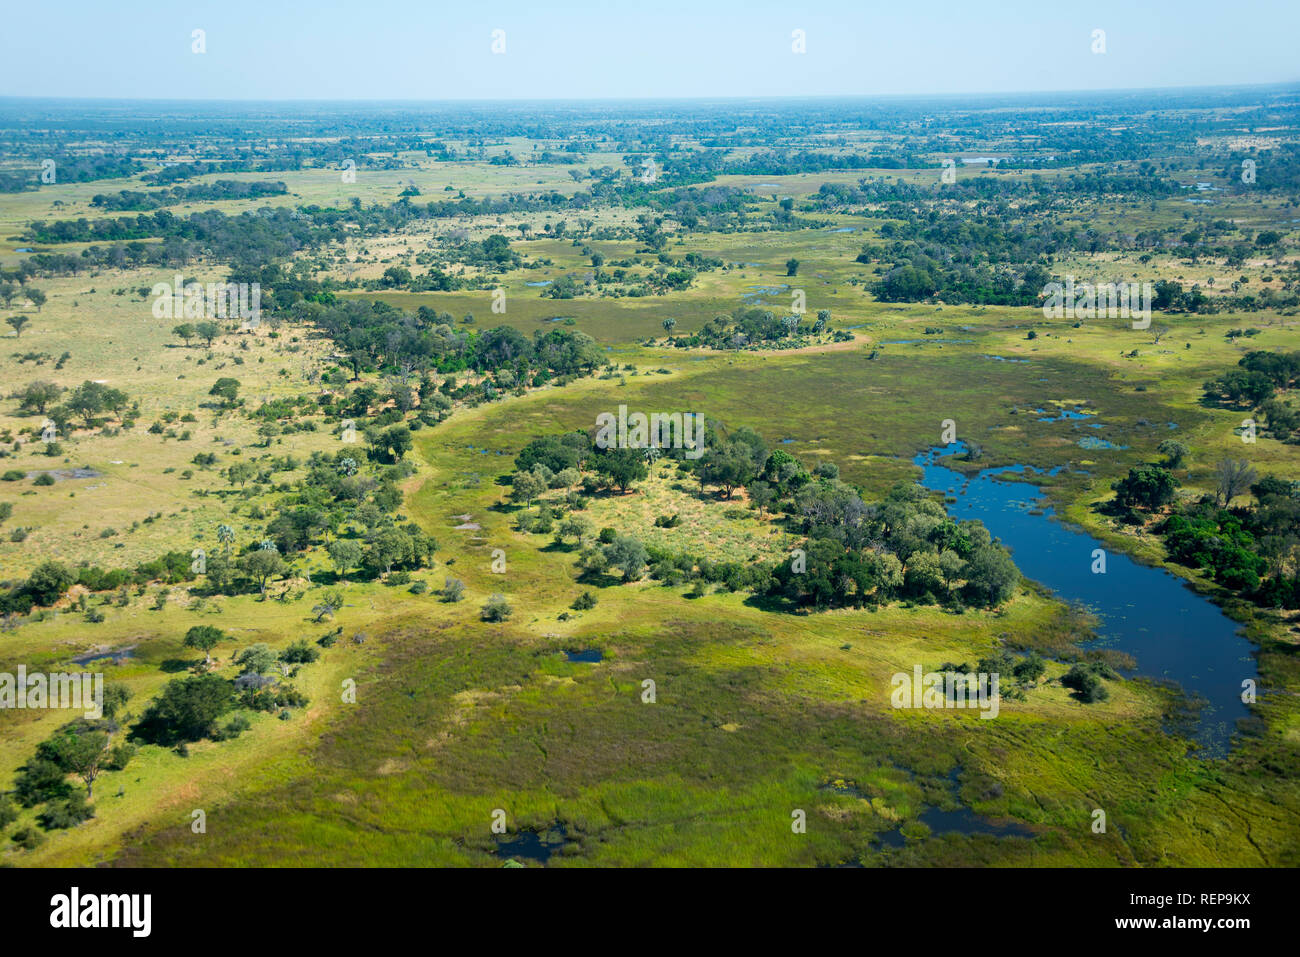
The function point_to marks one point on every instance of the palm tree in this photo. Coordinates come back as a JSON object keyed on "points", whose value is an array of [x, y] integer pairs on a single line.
{"points": [[225, 535]]}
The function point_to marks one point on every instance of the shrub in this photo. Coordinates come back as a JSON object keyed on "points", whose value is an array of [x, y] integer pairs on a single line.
{"points": [[496, 608], [584, 602]]}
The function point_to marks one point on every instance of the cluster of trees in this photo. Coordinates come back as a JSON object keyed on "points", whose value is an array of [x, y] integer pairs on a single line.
{"points": [[1253, 549], [84, 404], [376, 336], [187, 710], [81, 749], [917, 275], [755, 328], [135, 201], [70, 168], [903, 547], [1254, 384], [855, 553]]}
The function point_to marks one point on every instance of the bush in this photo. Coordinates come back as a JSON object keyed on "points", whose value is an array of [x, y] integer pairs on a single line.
{"points": [[1085, 680], [66, 813], [233, 728], [584, 602], [300, 652], [28, 838], [45, 478], [119, 757], [496, 608]]}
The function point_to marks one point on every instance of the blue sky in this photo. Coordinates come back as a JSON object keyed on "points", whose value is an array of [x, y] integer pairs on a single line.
{"points": [[401, 49]]}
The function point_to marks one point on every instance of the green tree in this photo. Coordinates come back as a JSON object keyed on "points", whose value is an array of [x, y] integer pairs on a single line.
{"points": [[345, 554], [187, 709], [628, 555], [1145, 486], [207, 331], [17, 322], [79, 751], [1175, 453], [204, 638], [185, 331], [263, 565], [525, 487], [621, 467], [991, 576], [257, 659], [38, 395], [226, 389]]}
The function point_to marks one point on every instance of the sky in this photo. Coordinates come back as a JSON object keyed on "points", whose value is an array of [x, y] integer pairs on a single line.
{"points": [[598, 49]]}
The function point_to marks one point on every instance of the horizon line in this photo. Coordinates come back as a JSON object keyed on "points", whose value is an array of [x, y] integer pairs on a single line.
{"points": [[1283, 84]]}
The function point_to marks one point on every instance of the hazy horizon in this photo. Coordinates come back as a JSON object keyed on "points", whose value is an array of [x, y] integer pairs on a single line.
{"points": [[588, 51]]}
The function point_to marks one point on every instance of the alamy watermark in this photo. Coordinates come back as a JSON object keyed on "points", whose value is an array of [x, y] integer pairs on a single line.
{"points": [[1109, 300], [218, 300], [946, 689], [84, 692], [658, 430]]}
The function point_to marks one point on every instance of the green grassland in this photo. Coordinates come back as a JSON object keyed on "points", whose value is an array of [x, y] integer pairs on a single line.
{"points": [[758, 712]]}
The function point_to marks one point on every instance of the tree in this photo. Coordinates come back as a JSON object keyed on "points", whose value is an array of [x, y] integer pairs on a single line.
{"points": [[1231, 478], [37, 396], [186, 331], [226, 389], [391, 445], [47, 582], [577, 526], [791, 267], [669, 324], [1085, 680], [77, 750], [1175, 453], [621, 467], [526, 486], [37, 297], [345, 554], [257, 659], [390, 547], [761, 494], [730, 466], [1145, 486], [262, 565], [187, 709], [91, 398], [628, 555], [207, 331], [240, 473], [204, 638], [1029, 669], [991, 576], [225, 535], [17, 322]]}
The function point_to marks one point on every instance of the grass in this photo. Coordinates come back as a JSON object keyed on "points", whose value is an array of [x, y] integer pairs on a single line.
{"points": [[757, 713]]}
